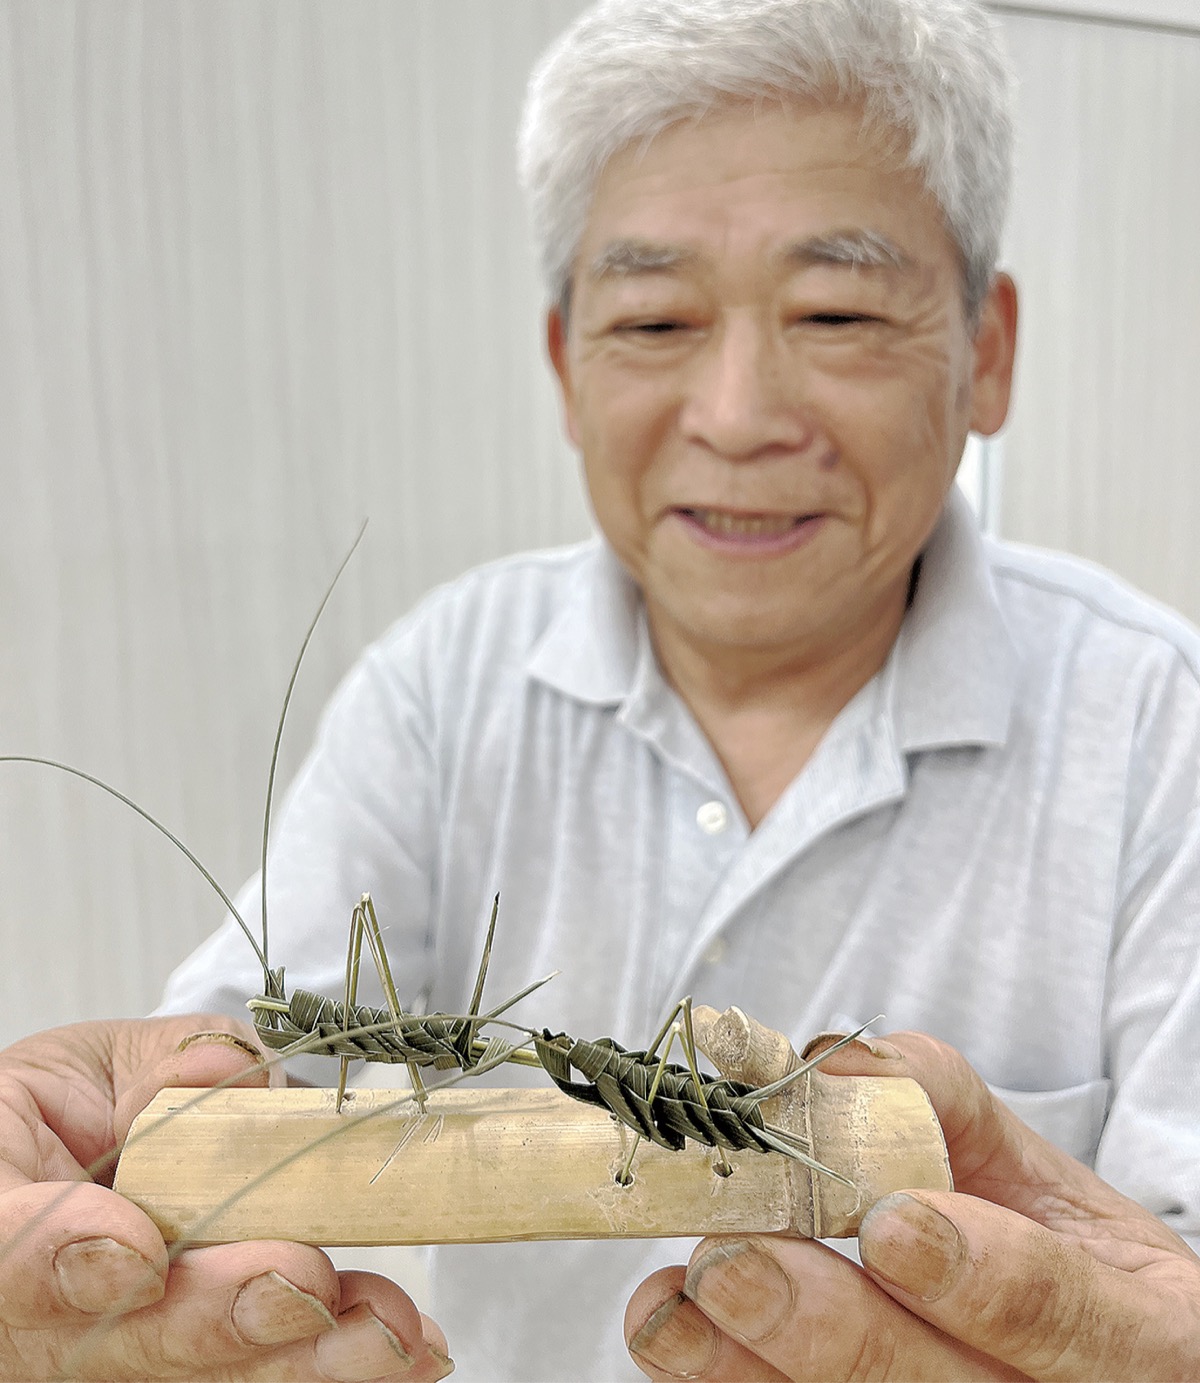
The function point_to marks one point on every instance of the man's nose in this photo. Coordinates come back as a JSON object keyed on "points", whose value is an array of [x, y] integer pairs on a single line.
{"points": [[744, 398]]}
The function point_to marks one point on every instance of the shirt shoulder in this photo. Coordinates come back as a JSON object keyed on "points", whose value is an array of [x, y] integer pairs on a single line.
{"points": [[1114, 673], [1068, 600], [487, 621]]}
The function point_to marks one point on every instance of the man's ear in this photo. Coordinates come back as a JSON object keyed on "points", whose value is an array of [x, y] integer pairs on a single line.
{"points": [[994, 347], [556, 349]]}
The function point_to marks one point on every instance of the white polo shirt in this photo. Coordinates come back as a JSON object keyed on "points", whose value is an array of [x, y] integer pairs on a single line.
{"points": [[997, 842]]}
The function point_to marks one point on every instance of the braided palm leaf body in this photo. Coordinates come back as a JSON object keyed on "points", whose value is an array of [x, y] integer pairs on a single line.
{"points": [[369, 1034], [620, 1081]]}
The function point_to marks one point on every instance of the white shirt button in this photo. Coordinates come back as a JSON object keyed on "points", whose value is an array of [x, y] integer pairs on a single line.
{"points": [[712, 818]]}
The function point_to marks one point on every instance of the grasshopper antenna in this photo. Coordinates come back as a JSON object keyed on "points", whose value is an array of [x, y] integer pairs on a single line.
{"points": [[263, 952], [766, 1091], [158, 826]]}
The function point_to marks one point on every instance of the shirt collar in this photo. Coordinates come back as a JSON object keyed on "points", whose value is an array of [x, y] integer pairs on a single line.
{"points": [[949, 679], [951, 676], [590, 649]]}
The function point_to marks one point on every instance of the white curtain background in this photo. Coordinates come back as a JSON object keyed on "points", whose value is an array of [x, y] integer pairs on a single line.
{"points": [[264, 273]]}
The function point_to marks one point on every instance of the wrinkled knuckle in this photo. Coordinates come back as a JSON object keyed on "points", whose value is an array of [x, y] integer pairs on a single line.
{"points": [[1039, 1318], [823, 1348], [1150, 1349], [162, 1349], [1183, 1357], [875, 1359], [178, 1354], [26, 1354], [808, 1358], [140, 1358], [104, 1349]]}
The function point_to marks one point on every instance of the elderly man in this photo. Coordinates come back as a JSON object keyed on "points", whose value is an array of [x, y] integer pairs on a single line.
{"points": [[792, 736]]}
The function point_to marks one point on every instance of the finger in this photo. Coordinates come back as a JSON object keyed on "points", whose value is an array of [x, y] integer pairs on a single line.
{"points": [[378, 1335], [978, 1129], [1015, 1290], [812, 1314], [71, 1252], [993, 1155], [419, 1336], [223, 1307], [357, 1351], [202, 1060], [669, 1336], [436, 1338], [343, 1327]]}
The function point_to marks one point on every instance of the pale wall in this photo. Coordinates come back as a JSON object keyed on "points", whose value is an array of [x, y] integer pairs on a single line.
{"points": [[263, 273]]}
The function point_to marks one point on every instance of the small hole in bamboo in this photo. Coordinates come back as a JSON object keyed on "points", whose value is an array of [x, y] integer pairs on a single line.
{"points": [[723, 1169], [624, 1179]]}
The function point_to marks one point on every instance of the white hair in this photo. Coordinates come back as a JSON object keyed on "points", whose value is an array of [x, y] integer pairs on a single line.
{"points": [[931, 72]]}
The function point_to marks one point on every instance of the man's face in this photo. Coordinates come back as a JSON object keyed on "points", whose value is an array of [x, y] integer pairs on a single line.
{"points": [[769, 431]]}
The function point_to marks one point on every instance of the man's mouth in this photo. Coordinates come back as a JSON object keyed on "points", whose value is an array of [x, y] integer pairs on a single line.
{"points": [[730, 525]]}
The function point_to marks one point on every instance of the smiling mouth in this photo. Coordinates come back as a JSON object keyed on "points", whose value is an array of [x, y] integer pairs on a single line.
{"points": [[728, 525]]}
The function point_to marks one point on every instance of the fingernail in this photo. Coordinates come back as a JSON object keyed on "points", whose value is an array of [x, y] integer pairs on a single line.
{"points": [[445, 1363], [912, 1245], [873, 1046], [360, 1346], [678, 1339], [228, 1039], [269, 1310], [816, 1045], [99, 1275], [743, 1288]]}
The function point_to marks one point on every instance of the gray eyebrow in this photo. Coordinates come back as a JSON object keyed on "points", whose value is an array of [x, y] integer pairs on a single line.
{"points": [[857, 249], [627, 258]]}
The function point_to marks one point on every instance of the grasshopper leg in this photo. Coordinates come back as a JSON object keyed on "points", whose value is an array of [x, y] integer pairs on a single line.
{"points": [[353, 960], [677, 1028]]}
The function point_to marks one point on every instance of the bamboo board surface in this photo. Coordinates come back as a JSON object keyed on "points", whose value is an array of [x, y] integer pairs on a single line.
{"points": [[492, 1165]]}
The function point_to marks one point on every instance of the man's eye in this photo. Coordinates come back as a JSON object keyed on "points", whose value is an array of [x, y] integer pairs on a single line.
{"points": [[650, 328], [839, 319]]}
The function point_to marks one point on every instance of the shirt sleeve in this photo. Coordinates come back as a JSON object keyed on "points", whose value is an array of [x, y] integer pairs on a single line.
{"points": [[1150, 1147]]}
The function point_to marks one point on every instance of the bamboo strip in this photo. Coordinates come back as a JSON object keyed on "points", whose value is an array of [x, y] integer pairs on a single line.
{"points": [[492, 1165]]}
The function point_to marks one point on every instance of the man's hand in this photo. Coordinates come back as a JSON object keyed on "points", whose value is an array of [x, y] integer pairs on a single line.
{"points": [[87, 1290], [1033, 1267]]}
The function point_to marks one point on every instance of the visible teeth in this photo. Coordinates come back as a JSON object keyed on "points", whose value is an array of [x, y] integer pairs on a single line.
{"points": [[744, 525]]}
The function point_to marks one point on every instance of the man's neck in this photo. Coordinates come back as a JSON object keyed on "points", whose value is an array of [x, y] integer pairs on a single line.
{"points": [[765, 710]]}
